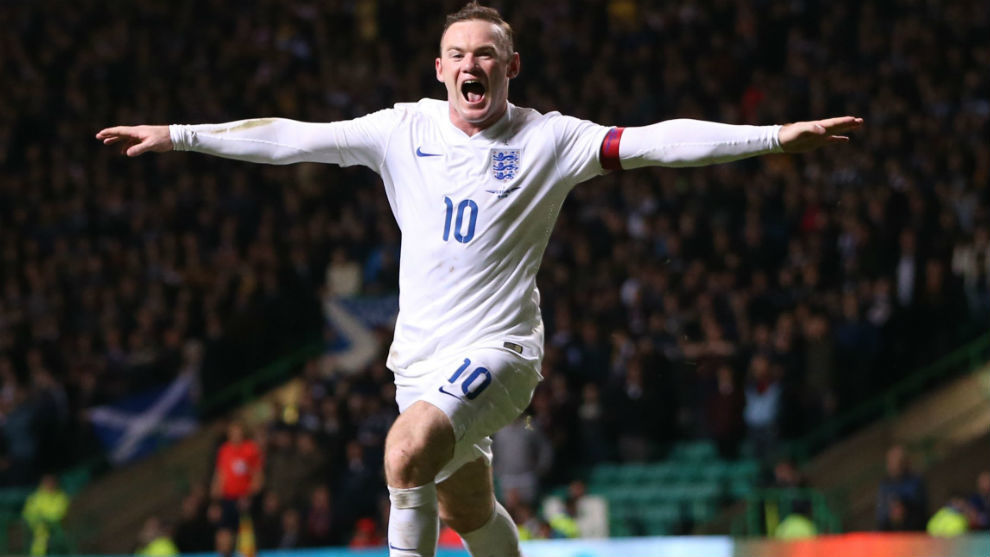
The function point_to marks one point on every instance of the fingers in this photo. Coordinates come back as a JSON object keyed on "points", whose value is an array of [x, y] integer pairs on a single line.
{"points": [[841, 124], [113, 132]]}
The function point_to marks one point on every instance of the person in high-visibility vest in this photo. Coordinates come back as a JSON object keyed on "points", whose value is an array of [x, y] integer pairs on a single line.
{"points": [[951, 520], [156, 541], [43, 510]]}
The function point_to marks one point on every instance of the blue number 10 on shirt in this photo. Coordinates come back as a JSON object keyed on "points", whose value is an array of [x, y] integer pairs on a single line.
{"points": [[468, 206]]}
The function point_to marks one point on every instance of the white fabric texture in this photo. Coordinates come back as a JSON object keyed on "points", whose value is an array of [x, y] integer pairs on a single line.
{"points": [[475, 212], [513, 379], [499, 537], [413, 524], [684, 142]]}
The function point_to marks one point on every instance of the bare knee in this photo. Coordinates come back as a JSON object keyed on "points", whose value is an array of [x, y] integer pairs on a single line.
{"points": [[419, 444]]}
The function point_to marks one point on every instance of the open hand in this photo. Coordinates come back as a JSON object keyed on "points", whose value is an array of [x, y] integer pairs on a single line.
{"points": [[137, 140], [801, 137]]}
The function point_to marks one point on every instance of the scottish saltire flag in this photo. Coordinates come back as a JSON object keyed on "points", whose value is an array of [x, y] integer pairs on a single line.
{"points": [[138, 425]]}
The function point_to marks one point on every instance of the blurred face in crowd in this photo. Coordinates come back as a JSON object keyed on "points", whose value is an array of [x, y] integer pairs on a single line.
{"points": [[983, 482], [896, 461], [235, 433], [475, 66]]}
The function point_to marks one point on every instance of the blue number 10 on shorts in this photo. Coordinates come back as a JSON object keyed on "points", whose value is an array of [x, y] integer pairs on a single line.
{"points": [[480, 392]]}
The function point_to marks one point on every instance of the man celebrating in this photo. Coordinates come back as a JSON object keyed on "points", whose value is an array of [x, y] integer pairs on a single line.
{"points": [[475, 184]]}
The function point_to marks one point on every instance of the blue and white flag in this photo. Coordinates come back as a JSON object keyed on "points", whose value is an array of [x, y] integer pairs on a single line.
{"points": [[139, 425]]}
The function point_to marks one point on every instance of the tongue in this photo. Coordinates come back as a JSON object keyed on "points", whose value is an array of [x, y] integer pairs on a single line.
{"points": [[474, 97]]}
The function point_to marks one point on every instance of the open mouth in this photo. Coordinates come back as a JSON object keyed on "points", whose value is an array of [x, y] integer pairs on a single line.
{"points": [[473, 91]]}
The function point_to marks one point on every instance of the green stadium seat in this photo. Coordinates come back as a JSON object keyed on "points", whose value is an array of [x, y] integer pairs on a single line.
{"points": [[695, 451]]}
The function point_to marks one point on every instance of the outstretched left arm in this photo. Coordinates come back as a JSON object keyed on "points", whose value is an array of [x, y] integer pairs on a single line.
{"points": [[683, 142]]}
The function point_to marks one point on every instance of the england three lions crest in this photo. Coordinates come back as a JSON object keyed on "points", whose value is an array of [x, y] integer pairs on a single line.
{"points": [[505, 164]]}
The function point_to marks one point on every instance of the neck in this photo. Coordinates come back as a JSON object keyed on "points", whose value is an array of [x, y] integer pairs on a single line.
{"points": [[472, 128]]}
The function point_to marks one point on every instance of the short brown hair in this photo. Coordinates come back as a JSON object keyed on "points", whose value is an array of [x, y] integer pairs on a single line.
{"points": [[475, 11]]}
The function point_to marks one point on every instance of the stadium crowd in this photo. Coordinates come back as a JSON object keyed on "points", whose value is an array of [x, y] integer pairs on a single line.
{"points": [[749, 300]]}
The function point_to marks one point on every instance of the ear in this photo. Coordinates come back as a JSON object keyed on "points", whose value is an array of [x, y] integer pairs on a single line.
{"points": [[439, 66], [515, 65]]}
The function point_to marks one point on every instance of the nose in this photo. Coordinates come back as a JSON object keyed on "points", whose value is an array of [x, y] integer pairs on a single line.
{"points": [[469, 62]]}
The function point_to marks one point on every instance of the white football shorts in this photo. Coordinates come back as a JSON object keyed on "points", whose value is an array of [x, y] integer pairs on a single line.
{"points": [[480, 390]]}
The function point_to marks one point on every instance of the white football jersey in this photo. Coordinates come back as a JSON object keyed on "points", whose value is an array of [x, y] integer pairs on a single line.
{"points": [[475, 212]]}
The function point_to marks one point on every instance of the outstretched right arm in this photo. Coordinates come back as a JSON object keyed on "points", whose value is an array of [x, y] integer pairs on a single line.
{"points": [[266, 140]]}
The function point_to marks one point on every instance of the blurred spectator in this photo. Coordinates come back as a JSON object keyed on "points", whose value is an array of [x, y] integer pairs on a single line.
{"points": [[153, 540], [43, 511], [635, 411], [952, 519], [193, 533], [897, 517], [980, 502], [359, 485], [564, 522], [238, 475], [796, 525], [225, 542], [292, 534], [522, 455], [724, 413], [322, 528], [367, 535], [592, 429], [268, 524], [904, 486], [763, 394]]}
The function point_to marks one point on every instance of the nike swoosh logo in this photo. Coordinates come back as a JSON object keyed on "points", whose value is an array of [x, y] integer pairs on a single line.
{"points": [[420, 153], [502, 194], [413, 549], [448, 393]]}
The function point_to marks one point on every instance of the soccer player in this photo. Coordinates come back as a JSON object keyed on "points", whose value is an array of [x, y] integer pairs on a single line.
{"points": [[475, 184]]}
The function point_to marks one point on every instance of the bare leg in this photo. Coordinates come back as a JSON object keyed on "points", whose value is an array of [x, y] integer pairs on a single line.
{"points": [[418, 446], [468, 505]]}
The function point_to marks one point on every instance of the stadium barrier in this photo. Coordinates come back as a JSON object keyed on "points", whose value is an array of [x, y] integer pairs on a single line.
{"points": [[889, 404], [846, 545]]}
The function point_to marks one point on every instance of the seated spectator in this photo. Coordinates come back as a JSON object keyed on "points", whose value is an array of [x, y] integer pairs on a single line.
{"points": [[980, 502], [796, 525], [565, 522], [530, 526], [952, 519], [905, 486], [154, 540], [43, 512]]}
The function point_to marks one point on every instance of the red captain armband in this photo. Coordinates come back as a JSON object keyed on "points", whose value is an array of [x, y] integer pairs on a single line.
{"points": [[610, 149]]}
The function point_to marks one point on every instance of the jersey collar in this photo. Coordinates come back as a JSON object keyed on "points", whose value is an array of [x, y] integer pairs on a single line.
{"points": [[491, 133]]}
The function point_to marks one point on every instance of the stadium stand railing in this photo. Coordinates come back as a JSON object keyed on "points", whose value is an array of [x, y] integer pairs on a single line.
{"points": [[766, 509], [259, 382], [889, 404]]}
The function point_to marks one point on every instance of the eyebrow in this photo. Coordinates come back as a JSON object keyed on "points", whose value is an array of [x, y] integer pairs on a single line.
{"points": [[483, 47]]}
